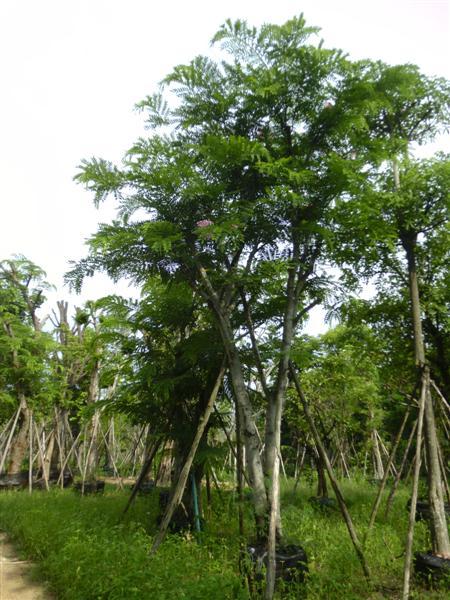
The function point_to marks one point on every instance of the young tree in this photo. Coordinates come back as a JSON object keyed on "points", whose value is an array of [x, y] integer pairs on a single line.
{"points": [[402, 205]]}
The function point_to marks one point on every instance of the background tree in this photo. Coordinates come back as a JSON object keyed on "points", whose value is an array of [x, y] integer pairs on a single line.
{"points": [[24, 348], [411, 197]]}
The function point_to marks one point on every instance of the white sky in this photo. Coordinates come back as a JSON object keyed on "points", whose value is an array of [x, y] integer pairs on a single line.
{"points": [[72, 70]]}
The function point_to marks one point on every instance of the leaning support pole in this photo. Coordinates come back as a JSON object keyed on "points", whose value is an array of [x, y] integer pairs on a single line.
{"points": [[112, 459], [145, 469], [444, 476], [181, 483], [400, 471], [41, 456], [30, 455], [10, 437], [412, 510], [377, 502], [321, 448]]}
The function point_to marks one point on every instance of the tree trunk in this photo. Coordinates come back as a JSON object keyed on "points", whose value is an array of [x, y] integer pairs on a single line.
{"points": [[249, 429], [20, 444], [93, 429], [322, 489], [438, 523], [276, 401], [48, 453], [164, 475]]}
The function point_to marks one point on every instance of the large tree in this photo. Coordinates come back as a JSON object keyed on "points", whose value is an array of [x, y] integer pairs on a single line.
{"points": [[231, 194]]}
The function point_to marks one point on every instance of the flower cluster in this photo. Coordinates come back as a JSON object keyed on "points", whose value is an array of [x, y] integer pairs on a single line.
{"points": [[204, 223]]}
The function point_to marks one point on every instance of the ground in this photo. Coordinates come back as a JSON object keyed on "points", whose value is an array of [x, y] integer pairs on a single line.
{"points": [[15, 580]]}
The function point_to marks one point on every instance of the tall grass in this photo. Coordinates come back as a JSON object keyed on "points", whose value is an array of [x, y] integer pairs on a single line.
{"points": [[86, 551]]}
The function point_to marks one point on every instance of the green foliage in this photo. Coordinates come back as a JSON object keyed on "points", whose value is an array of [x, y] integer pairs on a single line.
{"points": [[85, 552], [340, 374], [25, 350]]}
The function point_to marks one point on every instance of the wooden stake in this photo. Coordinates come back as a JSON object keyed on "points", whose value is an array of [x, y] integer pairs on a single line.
{"points": [[320, 447], [41, 456], [400, 471], [10, 437], [386, 474], [412, 510], [30, 455]]}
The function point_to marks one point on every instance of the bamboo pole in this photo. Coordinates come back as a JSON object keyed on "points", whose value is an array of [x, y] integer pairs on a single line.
{"points": [[30, 454], [444, 476], [400, 471], [441, 396], [145, 469], [377, 502], [4, 433], [412, 511], [10, 437], [42, 457], [389, 465], [320, 447], [230, 442], [112, 459], [66, 460]]}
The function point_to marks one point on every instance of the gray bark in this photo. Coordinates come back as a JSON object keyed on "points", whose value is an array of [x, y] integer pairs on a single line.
{"points": [[438, 522]]}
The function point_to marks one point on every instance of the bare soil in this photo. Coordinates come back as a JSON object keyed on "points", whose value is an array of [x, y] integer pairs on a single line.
{"points": [[15, 581]]}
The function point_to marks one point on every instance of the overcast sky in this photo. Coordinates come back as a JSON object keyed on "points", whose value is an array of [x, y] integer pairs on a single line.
{"points": [[72, 70]]}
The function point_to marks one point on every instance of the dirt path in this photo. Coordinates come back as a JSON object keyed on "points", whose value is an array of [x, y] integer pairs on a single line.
{"points": [[15, 583]]}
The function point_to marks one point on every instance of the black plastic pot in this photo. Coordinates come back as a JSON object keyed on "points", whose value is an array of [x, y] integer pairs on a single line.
{"points": [[180, 520], [39, 484], [15, 481], [146, 487], [423, 509], [291, 562], [323, 503], [432, 569], [90, 487]]}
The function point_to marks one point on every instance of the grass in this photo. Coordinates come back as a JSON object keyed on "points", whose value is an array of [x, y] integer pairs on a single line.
{"points": [[85, 551]]}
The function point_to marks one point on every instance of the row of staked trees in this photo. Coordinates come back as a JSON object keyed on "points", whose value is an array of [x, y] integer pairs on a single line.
{"points": [[276, 179]]}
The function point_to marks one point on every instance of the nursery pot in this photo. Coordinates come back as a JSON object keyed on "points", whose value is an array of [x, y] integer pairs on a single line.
{"points": [[431, 568], [323, 502], [90, 487], [291, 562], [15, 481], [423, 509]]}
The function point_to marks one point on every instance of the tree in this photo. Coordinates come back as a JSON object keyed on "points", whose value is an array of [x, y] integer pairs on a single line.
{"points": [[235, 197], [24, 349], [412, 200], [340, 377]]}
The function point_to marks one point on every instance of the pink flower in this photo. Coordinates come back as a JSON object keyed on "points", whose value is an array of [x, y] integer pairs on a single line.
{"points": [[204, 223]]}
